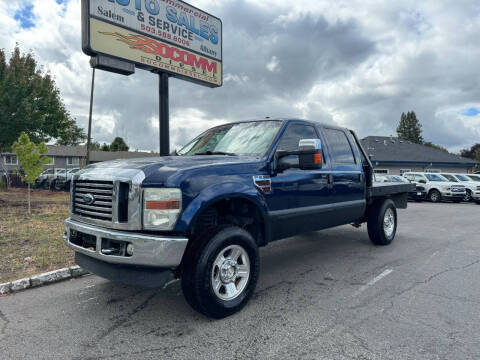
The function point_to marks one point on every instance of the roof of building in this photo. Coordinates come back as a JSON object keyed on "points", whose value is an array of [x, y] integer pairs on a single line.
{"points": [[97, 156], [392, 149], [61, 150]]}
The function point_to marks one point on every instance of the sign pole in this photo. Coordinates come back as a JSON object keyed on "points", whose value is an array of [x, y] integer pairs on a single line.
{"points": [[164, 115], [87, 161]]}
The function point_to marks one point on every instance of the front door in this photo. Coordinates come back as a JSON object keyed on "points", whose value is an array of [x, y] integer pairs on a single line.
{"points": [[297, 194]]}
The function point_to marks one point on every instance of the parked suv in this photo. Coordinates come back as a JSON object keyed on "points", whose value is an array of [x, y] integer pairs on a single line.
{"points": [[48, 178], [476, 179], [62, 182], [471, 187], [437, 187]]}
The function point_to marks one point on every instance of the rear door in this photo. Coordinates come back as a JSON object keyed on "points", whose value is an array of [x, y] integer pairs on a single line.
{"points": [[347, 182]]}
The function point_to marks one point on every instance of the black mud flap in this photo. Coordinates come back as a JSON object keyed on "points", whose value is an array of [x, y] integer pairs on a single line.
{"points": [[125, 274]]}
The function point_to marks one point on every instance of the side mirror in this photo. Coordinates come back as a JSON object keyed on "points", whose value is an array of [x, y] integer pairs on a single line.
{"points": [[310, 154], [422, 181]]}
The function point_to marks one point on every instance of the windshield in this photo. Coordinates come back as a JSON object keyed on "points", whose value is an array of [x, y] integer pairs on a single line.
{"points": [[474, 177], [450, 177], [434, 177], [462, 178], [73, 171], [248, 138]]}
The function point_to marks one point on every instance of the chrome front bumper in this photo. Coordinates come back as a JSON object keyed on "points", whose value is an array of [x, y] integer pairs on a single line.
{"points": [[148, 250]]}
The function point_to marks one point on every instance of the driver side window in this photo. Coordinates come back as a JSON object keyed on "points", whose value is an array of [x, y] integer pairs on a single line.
{"points": [[290, 139], [293, 134]]}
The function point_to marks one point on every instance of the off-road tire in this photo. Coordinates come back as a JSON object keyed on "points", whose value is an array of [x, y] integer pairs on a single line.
{"points": [[376, 222], [198, 266]]}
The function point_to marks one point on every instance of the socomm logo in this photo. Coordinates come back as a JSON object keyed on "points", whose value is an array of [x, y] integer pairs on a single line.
{"points": [[151, 46]]}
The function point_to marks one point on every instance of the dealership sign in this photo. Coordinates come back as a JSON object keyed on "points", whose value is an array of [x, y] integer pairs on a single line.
{"points": [[166, 35]]}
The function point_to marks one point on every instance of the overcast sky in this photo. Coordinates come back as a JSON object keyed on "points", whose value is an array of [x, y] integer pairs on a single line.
{"points": [[357, 64]]}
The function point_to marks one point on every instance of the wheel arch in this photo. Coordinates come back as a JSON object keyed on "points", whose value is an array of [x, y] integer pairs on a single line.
{"points": [[218, 196]]}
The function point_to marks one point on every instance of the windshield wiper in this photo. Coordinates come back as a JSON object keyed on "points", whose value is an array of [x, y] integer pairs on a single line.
{"points": [[215, 153]]}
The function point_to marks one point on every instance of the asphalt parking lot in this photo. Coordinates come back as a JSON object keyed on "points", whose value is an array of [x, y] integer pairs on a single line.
{"points": [[325, 295]]}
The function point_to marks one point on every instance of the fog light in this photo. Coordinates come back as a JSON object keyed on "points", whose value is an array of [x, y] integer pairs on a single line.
{"points": [[130, 249]]}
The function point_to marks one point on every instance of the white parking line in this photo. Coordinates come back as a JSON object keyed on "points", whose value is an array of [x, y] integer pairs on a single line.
{"points": [[373, 281]]}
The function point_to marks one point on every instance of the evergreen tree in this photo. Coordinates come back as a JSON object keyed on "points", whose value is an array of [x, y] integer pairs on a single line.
{"points": [[435, 146], [410, 128], [118, 144], [30, 102]]}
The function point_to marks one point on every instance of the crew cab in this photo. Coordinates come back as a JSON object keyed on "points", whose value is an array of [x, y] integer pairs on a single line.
{"points": [[437, 187], [201, 215]]}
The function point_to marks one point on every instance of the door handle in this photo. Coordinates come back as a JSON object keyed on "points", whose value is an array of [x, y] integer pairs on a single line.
{"points": [[330, 181]]}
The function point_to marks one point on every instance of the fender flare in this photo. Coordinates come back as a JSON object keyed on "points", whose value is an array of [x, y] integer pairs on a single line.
{"points": [[218, 192]]}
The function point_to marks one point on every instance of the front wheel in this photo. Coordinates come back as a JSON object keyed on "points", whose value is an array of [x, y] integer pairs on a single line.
{"points": [[220, 272], [468, 196], [434, 196], [382, 222]]}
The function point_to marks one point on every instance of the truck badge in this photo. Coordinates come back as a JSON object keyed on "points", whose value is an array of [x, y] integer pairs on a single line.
{"points": [[263, 183], [88, 199]]}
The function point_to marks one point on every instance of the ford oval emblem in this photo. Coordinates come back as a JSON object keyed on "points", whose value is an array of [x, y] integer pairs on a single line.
{"points": [[88, 199]]}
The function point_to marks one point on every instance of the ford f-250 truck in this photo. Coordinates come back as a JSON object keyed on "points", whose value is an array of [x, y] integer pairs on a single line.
{"points": [[202, 214]]}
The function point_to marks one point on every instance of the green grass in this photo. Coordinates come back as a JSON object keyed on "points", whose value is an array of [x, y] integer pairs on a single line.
{"points": [[34, 244]]}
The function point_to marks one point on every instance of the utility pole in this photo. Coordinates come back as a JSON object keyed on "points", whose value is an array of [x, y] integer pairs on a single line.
{"points": [[164, 115], [90, 118]]}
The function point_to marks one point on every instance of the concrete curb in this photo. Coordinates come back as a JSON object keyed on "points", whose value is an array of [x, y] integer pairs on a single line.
{"points": [[42, 279]]}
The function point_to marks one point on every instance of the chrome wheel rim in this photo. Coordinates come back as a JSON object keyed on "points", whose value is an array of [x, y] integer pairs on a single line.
{"points": [[230, 272], [434, 196], [388, 222], [467, 197]]}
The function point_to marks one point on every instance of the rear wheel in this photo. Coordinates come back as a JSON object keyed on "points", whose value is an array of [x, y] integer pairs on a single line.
{"points": [[220, 272], [382, 222], [434, 196]]}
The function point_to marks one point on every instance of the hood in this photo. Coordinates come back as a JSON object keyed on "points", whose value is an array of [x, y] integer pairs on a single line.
{"points": [[158, 169], [448, 183]]}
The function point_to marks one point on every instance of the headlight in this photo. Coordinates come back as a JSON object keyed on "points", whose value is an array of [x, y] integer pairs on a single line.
{"points": [[446, 188], [161, 208]]}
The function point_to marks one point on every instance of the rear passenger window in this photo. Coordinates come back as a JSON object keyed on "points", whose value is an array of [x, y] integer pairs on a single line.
{"points": [[340, 148]]}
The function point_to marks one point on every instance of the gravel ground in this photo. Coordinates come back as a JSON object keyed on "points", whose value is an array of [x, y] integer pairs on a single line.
{"points": [[325, 295]]}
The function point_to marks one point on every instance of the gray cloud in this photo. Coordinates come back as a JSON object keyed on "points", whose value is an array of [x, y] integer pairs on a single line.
{"points": [[357, 64]]}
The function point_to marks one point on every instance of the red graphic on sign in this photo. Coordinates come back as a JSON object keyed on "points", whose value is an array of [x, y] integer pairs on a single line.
{"points": [[150, 46]]}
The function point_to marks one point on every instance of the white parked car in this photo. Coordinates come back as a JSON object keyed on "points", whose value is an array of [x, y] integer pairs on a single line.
{"points": [[472, 187], [437, 187], [473, 177]]}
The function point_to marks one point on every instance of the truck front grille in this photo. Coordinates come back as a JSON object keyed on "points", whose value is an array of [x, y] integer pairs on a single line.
{"points": [[458, 188], [93, 199]]}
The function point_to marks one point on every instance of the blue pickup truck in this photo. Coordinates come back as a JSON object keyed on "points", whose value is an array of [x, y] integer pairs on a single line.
{"points": [[202, 213]]}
